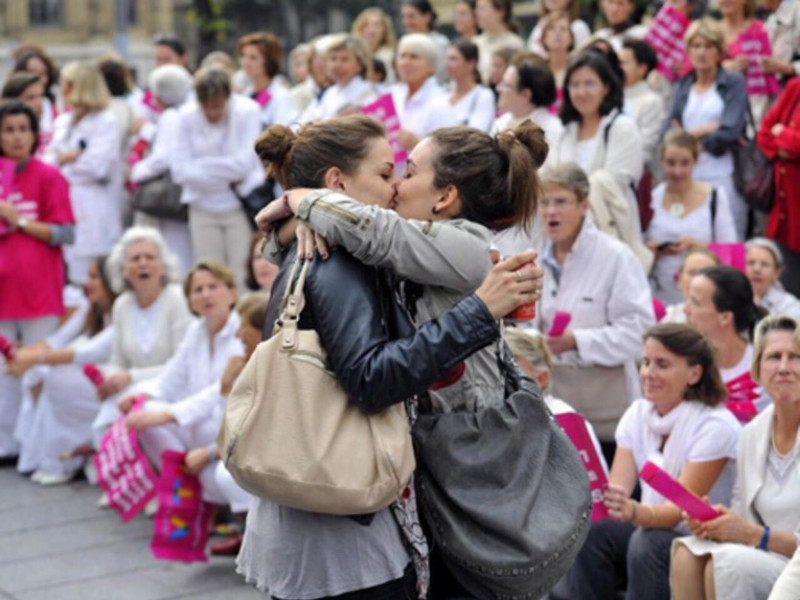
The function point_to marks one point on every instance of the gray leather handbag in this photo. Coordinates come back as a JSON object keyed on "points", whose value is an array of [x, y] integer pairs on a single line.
{"points": [[504, 492]]}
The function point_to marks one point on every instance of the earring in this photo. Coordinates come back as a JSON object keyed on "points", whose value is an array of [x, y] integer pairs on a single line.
{"points": [[435, 210]]}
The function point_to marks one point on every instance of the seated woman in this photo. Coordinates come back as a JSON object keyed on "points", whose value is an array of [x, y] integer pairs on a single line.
{"points": [[696, 260], [741, 553], [61, 399], [150, 319], [686, 214], [260, 272], [680, 425], [764, 268]]}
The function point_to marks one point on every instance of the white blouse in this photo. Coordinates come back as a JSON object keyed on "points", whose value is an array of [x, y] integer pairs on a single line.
{"points": [[702, 109]]}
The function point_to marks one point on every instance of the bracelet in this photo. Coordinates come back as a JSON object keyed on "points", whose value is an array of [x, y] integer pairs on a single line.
{"points": [[286, 207], [764, 539], [635, 510], [212, 451]]}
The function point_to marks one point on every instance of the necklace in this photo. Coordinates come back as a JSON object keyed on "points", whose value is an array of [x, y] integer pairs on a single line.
{"points": [[677, 206], [676, 209]]}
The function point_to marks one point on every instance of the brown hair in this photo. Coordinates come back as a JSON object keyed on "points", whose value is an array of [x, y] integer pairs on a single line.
{"points": [[680, 138], [686, 342], [555, 18], [496, 177], [572, 11], [17, 83], [358, 48], [253, 310], [768, 324], [301, 159], [269, 47], [530, 345], [216, 269], [96, 317], [210, 83], [250, 279]]}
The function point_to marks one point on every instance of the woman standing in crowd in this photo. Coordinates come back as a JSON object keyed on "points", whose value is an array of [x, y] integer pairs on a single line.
{"points": [[679, 424], [28, 89], [86, 149], [686, 214], [599, 281], [260, 272], [764, 267], [469, 102], [464, 21], [31, 58], [418, 16], [721, 307], [35, 221], [498, 30], [261, 55], [375, 28], [62, 413], [568, 8], [418, 99], [619, 15], [783, 27], [696, 260], [597, 134], [559, 41], [526, 92], [710, 103], [740, 554], [214, 162], [779, 138], [150, 319]]}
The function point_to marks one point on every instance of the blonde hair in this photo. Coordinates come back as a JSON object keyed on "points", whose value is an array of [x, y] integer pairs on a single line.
{"points": [[218, 59], [767, 325], [358, 48], [530, 345], [216, 269], [710, 30], [680, 138], [88, 89], [389, 39]]}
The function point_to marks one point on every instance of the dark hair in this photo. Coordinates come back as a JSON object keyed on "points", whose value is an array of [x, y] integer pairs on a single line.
{"points": [[685, 341], [268, 46], [15, 107], [496, 177], [117, 75], [424, 7], [17, 83], [95, 320], [170, 40], [600, 65], [23, 54], [301, 159], [470, 52], [250, 277], [379, 69], [535, 75], [643, 53], [211, 82], [507, 6], [606, 50], [734, 294]]}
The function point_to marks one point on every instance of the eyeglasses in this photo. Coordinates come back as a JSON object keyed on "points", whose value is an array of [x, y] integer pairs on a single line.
{"points": [[557, 203], [589, 86]]}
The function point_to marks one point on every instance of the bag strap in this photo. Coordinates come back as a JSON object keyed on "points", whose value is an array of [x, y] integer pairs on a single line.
{"points": [[713, 207], [292, 305]]}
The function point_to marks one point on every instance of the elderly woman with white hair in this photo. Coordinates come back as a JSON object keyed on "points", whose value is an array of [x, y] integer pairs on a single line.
{"points": [[764, 268], [149, 320], [418, 99], [171, 86]]}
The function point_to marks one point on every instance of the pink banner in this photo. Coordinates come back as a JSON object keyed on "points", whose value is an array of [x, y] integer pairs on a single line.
{"points": [[560, 323], [666, 37], [123, 470], [754, 44], [263, 98], [6, 348], [743, 410], [673, 490], [733, 255], [6, 184], [574, 425], [149, 100], [384, 110], [181, 526]]}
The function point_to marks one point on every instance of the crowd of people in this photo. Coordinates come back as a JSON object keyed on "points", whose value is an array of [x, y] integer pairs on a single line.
{"points": [[129, 240]]}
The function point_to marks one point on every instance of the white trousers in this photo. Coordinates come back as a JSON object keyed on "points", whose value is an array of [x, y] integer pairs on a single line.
{"points": [[224, 237], [23, 332]]}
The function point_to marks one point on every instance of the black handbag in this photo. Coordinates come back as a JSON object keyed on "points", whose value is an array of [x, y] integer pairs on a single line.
{"points": [[754, 172], [504, 492], [255, 200], [160, 197]]}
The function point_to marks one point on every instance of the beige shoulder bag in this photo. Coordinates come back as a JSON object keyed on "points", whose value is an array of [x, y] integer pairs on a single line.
{"points": [[291, 435]]}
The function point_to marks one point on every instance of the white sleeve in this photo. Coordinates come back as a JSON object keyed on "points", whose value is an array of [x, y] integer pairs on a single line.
{"points": [[629, 426], [160, 158], [71, 329], [724, 229], [197, 407], [286, 111], [713, 439], [649, 121], [101, 155], [623, 152], [96, 350], [173, 378], [482, 115]]}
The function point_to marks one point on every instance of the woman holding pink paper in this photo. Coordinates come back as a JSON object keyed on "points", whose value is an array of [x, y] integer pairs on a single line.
{"points": [[680, 424], [739, 555]]}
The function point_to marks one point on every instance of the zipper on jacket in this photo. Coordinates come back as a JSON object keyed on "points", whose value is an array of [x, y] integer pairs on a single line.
{"points": [[339, 211]]}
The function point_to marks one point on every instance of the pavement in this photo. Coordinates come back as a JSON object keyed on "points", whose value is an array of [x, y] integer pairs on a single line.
{"points": [[55, 544]]}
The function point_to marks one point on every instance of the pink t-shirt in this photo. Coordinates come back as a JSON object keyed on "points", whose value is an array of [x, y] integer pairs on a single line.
{"points": [[32, 271]]}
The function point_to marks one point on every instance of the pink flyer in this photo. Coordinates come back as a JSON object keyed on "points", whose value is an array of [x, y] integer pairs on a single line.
{"points": [[574, 425], [733, 255], [754, 44], [666, 37], [384, 110]]}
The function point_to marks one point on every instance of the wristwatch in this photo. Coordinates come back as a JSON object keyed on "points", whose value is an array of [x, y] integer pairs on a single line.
{"points": [[22, 223]]}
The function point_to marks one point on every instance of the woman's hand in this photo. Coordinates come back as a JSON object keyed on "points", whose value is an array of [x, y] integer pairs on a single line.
{"points": [[68, 157], [733, 528], [24, 359], [232, 371], [126, 404], [113, 384], [281, 208], [196, 460], [8, 212], [773, 66], [739, 63], [702, 131], [777, 129], [142, 420], [511, 283], [562, 343], [618, 503], [309, 240]]}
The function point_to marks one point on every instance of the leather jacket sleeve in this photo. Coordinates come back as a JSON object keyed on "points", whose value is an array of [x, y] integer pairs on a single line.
{"points": [[349, 308]]}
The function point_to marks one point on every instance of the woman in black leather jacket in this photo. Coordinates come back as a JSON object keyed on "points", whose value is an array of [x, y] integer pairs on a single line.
{"points": [[378, 358]]}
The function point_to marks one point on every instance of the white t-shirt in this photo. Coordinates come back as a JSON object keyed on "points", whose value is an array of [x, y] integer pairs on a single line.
{"points": [[584, 153], [702, 109], [476, 109], [144, 324]]}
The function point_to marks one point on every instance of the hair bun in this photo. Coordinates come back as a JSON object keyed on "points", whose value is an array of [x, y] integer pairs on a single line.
{"points": [[274, 148], [532, 137]]}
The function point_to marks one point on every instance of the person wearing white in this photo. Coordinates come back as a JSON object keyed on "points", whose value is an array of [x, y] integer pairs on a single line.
{"points": [[375, 27], [85, 147], [213, 162], [261, 55], [494, 18], [597, 134], [468, 103], [580, 30], [686, 214], [595, 278], [171, 86], [764, 268], [682, 427], [149, 319], [419, 17], [740, 554], [418, 99], [789, 581], [783, 28], [696, 260]]}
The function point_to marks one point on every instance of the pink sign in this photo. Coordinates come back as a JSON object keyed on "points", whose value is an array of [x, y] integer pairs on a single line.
{"points": [[560, 323], [181, 525], [666, 485], [733, 255], [743, 410], [6, 349], [6, 184], [94, 374], [123, 470], [666, 37], [574, 425], [149, 100], [754, 44], [384, 110], [263, 98]]}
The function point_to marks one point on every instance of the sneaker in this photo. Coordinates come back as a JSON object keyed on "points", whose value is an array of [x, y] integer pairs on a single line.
{"points": [[104, 501], [55, 478], [36, 476], [151, 508]]}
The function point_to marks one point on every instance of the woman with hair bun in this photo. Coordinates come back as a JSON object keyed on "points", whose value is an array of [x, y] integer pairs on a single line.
{"points": [[374, 363]]}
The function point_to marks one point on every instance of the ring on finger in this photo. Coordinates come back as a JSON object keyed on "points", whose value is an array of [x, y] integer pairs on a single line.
{"points": [[519, 276]]}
